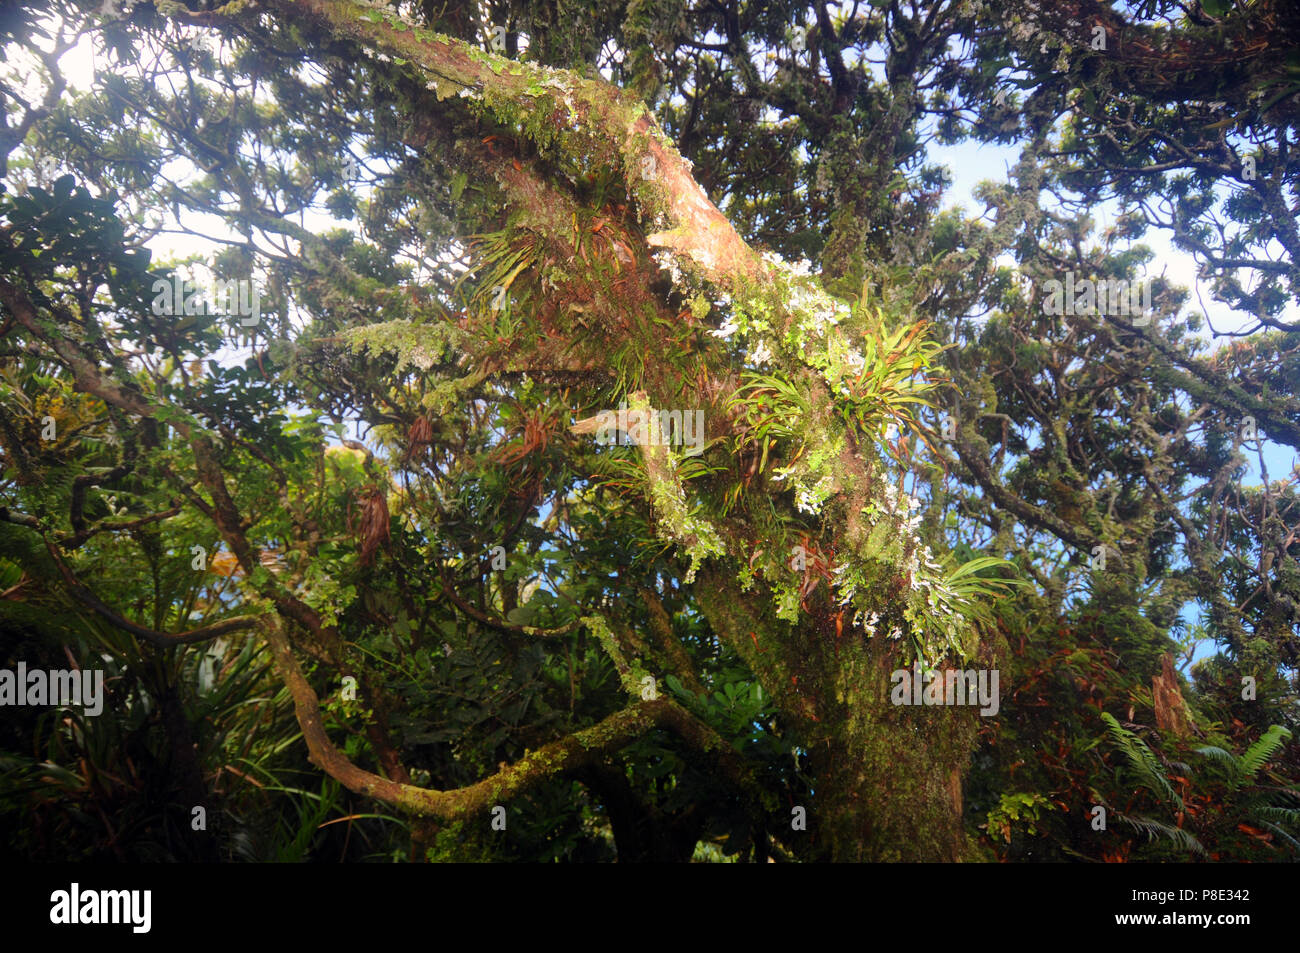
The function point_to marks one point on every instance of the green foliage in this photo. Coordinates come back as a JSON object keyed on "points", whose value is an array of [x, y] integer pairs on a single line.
{"points": [[1146, 767], [1015, 810], [906, 456]]}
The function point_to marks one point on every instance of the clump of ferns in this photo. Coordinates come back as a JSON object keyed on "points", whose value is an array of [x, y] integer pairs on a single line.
{"points": [[604, 240], [622, 471], [528, 432], [1273, 808], [627, 363], [766, 411], [883, 385], [1149, 773]]}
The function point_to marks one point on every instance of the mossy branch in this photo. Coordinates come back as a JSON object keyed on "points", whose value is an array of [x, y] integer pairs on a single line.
{"points": [[557, 758]]}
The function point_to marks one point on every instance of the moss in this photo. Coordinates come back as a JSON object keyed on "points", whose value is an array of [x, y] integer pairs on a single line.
{"points": [[632, 674], [679, 521], [417, 346]]}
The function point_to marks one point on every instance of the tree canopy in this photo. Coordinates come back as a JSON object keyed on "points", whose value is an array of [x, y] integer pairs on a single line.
{"points": [[596, 431]]}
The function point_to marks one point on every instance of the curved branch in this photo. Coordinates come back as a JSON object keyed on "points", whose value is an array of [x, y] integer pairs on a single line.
{"points": [[615, 126], [78, 539], [1213, 387], [578, 750], [1076, 534]]}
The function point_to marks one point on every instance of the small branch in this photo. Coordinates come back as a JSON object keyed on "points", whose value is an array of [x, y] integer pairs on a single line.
{"points": [[160, 639]]}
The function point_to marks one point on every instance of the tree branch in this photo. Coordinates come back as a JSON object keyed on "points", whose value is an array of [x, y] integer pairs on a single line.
{"points": [[566, 755]]}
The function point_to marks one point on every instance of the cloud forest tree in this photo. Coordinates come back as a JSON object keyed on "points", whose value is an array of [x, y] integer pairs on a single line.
{"points": [[541, 213]]}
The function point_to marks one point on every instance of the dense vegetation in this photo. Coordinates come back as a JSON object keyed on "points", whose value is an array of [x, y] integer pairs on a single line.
{"points": [[371, 575]]}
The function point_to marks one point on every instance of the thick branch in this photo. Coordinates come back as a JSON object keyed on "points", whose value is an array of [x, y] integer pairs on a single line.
{"points": [[616, 128], [566, 755]]}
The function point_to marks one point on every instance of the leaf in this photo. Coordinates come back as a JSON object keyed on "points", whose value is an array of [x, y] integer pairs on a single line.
{"points": [[876, 541], [521, 615], [1150, 772], [1158, 829], [1261, 751]]}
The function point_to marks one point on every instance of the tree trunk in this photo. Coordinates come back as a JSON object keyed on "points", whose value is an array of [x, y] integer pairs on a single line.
{"points": [[888, 777]]}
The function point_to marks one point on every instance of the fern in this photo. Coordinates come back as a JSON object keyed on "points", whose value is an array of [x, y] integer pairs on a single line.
{"points": [[1156, 830], [1261, 751], [1245, 768], [1278, 815], [1218, 754], [1150, 772], [1281, 832]]}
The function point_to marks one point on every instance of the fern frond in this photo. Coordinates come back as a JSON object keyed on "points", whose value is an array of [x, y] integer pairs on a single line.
{"points": [[1281, 832], [1277, 815], [1150, 772], [1156, 830], [1258, 754], [1218, 754]]}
